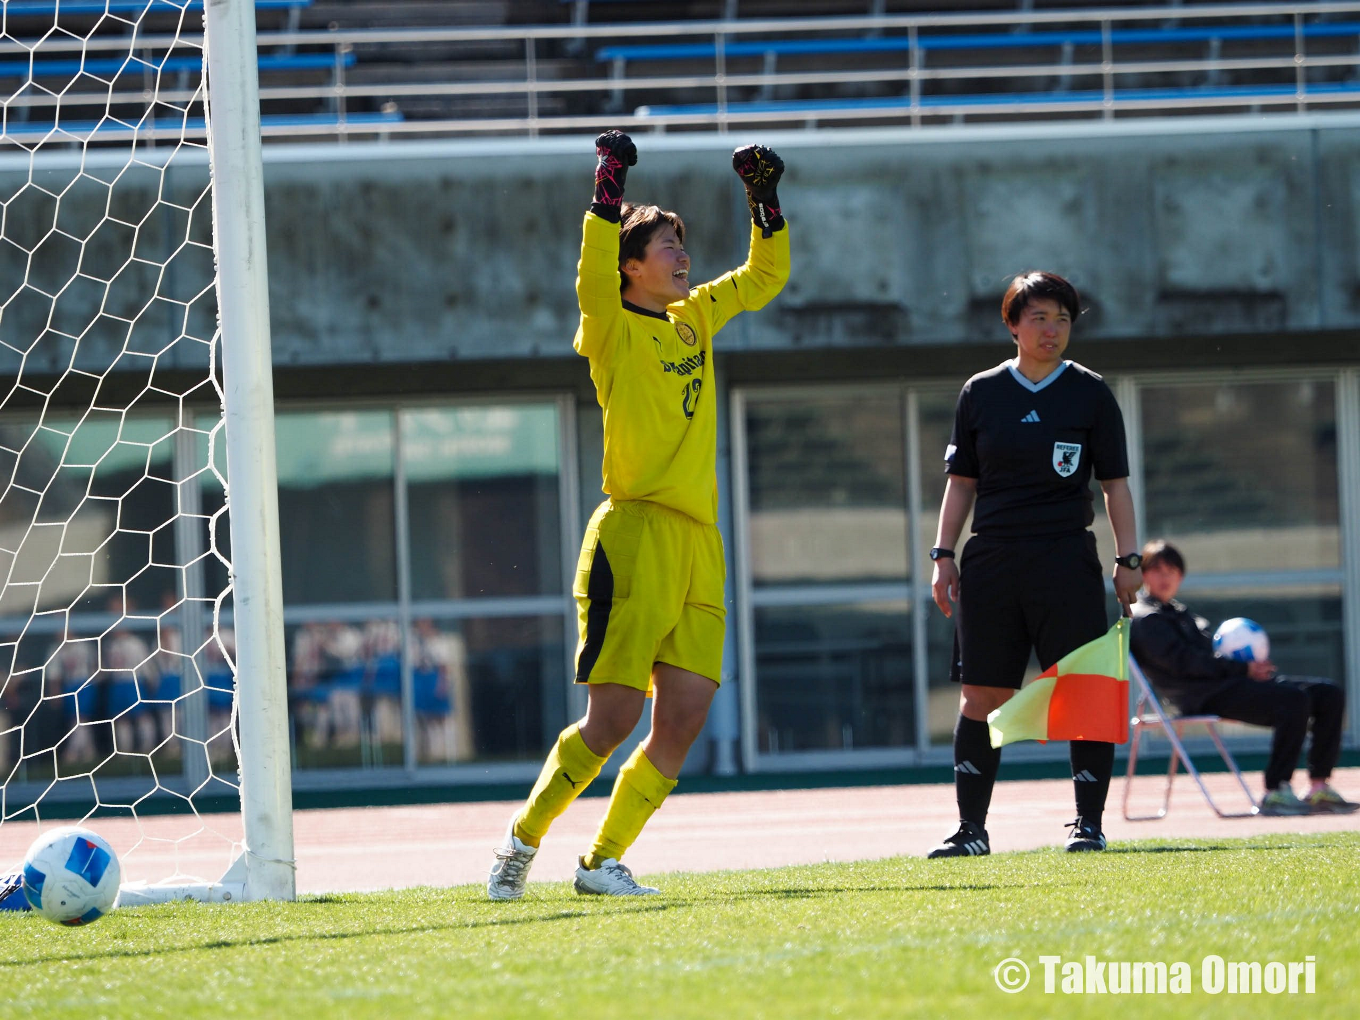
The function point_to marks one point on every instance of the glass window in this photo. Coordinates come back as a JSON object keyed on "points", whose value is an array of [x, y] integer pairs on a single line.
{"points": [[344, 692], [337, 526], [90, 510], [827, 488], [213, 529], [488, 689], [101, 694], [1243, 476], [834, 677], [935, 424], [942, 696], [484, 501], [88, 525]]}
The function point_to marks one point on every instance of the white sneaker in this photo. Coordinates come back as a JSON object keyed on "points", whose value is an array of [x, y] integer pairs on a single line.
{"points": [[610, 879], [510, 870]]}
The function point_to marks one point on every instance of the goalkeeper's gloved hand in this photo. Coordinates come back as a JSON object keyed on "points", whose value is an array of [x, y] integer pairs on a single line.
{"points": [[760, 169], [616, 153]]}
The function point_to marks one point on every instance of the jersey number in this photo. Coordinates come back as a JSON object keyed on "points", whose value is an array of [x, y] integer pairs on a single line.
{"points": [[690, 396]]}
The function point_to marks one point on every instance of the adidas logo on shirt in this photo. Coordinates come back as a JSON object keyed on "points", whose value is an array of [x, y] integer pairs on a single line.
{"points": [[1031, 418]]}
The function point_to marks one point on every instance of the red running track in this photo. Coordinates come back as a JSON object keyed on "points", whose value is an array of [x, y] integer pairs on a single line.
{"points": [[450, 844]]}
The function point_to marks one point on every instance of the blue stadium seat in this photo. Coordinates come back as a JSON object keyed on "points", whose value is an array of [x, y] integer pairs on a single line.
{"points": [[29, 130], [31, 8], [998, 40], [1055, 99], [113, 66]]}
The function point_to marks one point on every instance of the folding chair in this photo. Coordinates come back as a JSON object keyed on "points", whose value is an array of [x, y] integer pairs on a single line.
{"points": [[1149, 714]]}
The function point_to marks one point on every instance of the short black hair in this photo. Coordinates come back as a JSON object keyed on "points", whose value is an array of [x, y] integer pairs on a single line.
{"points": [[1036, 285], [638, 224], [1159, 552]]}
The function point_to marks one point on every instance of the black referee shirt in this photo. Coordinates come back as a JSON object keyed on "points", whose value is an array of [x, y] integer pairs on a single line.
{"points": [[1032, 448]]}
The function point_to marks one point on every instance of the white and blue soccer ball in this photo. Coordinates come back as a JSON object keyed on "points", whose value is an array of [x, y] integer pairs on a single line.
{"points": [[1241, 639], [71, 876]]}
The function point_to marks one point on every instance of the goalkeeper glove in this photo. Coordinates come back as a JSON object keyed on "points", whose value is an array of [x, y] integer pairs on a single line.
{"points": [[760, 169], [616, 153]]}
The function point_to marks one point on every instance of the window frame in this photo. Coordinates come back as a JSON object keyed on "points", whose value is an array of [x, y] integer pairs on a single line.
{"points": [[405, 609]]}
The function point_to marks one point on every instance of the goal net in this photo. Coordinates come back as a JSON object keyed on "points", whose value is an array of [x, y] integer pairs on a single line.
{"points": [[118, 704]]}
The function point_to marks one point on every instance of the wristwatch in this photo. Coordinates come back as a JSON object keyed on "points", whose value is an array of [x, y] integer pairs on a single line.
{"points": [[1132, 561], [940, 553]]}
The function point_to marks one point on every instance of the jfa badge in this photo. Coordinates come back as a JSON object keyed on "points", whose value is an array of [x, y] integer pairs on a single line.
{"points": [[1066, 456]]}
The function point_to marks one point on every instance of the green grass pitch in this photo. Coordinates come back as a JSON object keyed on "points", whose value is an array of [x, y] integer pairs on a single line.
{"points": [[885, 939]]}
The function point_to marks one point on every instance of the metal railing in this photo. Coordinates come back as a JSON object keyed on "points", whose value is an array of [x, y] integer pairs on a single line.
{"points": [[1114, 91]]}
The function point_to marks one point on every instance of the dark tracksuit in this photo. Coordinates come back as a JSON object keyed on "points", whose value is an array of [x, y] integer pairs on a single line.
{"points": [[1176, 652]]}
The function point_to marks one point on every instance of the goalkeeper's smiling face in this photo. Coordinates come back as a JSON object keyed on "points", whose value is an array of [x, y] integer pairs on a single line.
{"points": [[661, 276]]}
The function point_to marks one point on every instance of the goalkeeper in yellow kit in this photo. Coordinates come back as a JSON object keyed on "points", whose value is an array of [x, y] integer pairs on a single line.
{"points": [[649, 584]]}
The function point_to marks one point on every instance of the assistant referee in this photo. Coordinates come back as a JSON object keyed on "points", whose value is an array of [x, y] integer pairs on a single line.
{"points": [[1027, 437]]}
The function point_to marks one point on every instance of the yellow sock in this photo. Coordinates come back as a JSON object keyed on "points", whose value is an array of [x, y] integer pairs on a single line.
{"points": [[638, 792], [569, 769]]}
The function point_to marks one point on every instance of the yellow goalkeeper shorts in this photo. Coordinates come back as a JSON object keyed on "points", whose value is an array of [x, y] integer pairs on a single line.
{"points": [[649, 589]]}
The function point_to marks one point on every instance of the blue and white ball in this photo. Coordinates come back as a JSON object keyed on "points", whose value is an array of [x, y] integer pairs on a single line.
{"points": [[1241, 639], [71, 876]]}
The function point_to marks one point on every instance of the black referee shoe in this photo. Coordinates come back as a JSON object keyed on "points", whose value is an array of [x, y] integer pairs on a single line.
{"points": [[1084, 837], [969, 841]]}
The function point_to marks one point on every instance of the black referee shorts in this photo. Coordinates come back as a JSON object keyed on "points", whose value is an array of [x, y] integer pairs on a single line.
{"points": [[1043, 594]]}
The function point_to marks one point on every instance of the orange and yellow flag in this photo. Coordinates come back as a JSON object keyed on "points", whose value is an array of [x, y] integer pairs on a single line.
{"points": [[1083, 696]]}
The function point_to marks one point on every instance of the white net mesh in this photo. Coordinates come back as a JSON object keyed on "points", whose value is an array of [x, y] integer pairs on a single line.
{"points": [[116, 676]]}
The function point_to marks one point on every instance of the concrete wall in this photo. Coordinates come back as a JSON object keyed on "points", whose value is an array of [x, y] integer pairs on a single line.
{"points": [[466, 250]]}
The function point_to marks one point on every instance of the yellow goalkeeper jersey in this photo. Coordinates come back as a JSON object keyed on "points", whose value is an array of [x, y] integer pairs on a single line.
{"points": [[653, 371]]}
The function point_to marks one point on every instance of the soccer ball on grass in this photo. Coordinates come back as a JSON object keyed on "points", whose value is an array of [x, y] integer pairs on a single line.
{"points": [[71, 876]]}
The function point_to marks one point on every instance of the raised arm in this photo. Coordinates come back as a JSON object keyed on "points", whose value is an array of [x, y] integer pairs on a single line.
{"points": [[754, 284], [760, 169], [597, 274], [614, 154]]}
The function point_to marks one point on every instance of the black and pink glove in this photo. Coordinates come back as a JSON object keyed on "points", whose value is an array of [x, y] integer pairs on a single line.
{"points": [[616, 153], [760, 169]]}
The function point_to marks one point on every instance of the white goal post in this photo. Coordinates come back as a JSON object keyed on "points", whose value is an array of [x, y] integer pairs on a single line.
{"points": [[111, 496], [248, 402]]}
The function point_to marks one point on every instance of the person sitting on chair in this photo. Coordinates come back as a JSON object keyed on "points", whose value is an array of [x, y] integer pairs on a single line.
{"points": [[1176, 652]]}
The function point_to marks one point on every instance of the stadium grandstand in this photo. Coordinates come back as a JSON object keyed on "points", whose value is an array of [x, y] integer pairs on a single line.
{"points": [[1189, 166], [425, 68]]}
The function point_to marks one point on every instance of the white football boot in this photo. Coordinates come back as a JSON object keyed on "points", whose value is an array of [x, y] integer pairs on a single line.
{"points": [[510, 870], [610, 879]]}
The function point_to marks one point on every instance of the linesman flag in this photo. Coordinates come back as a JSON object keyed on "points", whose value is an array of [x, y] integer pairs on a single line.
{"points": [[1083, 696]]}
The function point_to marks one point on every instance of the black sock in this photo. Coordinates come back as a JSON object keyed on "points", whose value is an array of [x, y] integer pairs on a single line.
{"points": [[975, 765], [1092, 763]]}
